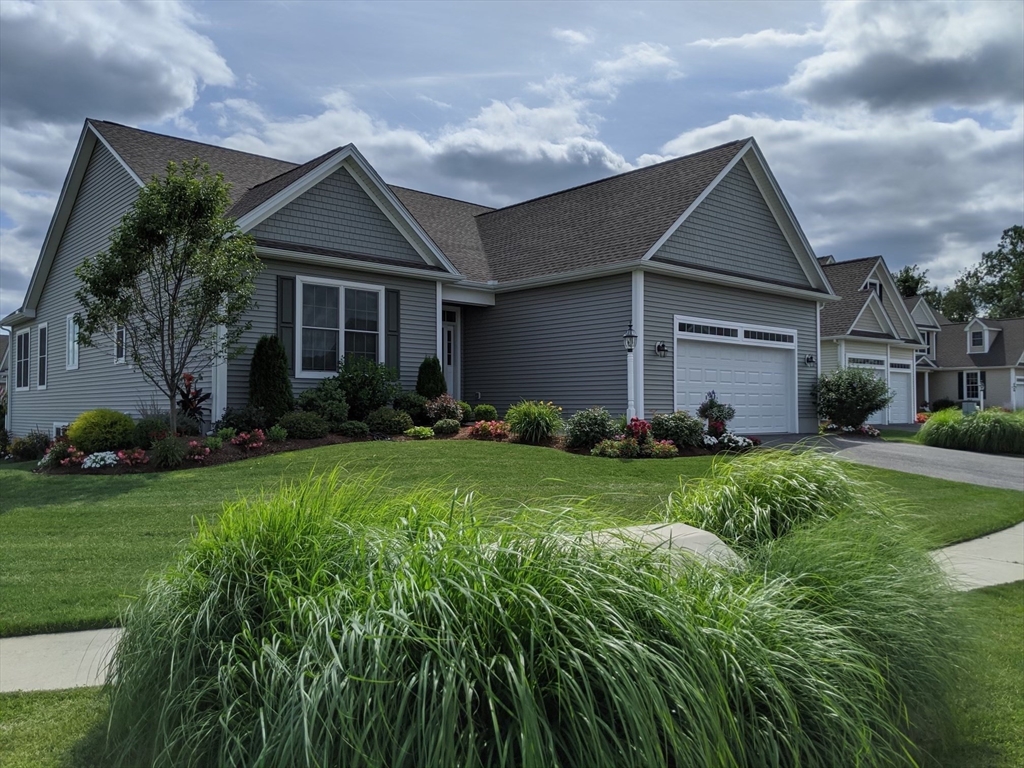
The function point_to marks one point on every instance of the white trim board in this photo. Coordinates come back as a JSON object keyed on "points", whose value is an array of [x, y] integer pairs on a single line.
{"points": [[638, 328]]}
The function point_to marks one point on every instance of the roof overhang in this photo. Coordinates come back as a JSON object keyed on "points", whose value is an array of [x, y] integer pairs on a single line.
{"points": [[283, 254], [350, 158], [871, 340], [17, 317], [923, 362]]}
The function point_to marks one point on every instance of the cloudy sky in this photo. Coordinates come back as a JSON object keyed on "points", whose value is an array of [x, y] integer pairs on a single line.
{"points": [[893, 128]]}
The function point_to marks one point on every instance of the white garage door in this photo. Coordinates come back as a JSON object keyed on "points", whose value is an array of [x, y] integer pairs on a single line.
{"points": [[756, 381], [899, 408]]}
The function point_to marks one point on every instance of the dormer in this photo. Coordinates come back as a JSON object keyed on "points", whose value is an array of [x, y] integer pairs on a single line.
{"points": [[979, 337]]}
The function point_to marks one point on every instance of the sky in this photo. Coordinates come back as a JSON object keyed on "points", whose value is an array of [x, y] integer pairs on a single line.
{"points": [[893, 128]]}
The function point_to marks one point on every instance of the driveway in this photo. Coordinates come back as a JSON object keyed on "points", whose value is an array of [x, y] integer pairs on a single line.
{"points": [[961, 466]]}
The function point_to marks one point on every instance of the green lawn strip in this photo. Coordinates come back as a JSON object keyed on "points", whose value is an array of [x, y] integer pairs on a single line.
{"points": [[76, 545], [899, 436], [63, 728], [991, 707], [51, 729]]}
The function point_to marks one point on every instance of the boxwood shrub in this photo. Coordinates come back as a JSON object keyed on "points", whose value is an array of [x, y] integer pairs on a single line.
{"points": [[389, 421], [485, 412], [327, 400], [585, 429], [354, 429], [680, 427], [447, 427], [102, 430], [304, 425]]}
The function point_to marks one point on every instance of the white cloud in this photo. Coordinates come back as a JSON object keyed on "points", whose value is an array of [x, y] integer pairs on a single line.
{"points": [[433, 102], [640, 61], [573, 37], [765, 38]]}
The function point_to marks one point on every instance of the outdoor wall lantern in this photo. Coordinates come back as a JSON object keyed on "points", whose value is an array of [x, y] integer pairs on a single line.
{"points": [[810, 360], [629, 342], [661, 349]]}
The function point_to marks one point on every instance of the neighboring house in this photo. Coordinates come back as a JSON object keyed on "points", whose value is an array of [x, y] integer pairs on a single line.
{"points": [[701, 254], [871, 328], [980, 362]]}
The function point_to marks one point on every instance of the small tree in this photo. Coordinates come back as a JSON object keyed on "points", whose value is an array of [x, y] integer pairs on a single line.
{"points": [[847, 396], [430, 380], [270, 386], [176, 273]]}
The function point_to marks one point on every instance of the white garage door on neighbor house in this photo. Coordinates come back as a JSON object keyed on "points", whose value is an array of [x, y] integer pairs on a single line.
{"points": [[899, 383], [752, 368]]}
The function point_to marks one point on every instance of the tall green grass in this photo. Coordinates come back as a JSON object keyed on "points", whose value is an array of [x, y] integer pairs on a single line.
{"points": [[760, 496], [331, 624], [989, 431]]}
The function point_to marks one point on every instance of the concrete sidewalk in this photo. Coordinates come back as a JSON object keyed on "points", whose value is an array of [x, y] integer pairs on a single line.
{"points": [[984, 562], [51, 662]]}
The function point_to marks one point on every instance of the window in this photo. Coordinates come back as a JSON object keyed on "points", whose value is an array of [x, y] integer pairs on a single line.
{"points": [[72, 341], [323, 341], [709, 330], [60, 429], [900, 366], [768, 336], [41, 359], [120, 343], [875, 287], [873, 361], [977, 339], [929, 344], [21, 364], [972, 388]]}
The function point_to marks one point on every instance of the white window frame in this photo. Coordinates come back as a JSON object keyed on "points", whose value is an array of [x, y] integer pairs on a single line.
{"points": [[341, 285], [972, 347], [977, 385], [120, 336], [60, 428], [72, 350], [42, 360], [875, 286], [28, 360]]}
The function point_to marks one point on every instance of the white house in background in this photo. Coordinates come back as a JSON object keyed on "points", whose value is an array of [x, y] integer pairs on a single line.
{"points": [[871, 327]]}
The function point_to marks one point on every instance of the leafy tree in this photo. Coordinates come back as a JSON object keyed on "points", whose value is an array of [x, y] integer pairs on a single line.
{"points": [[958, 302], [270, 386], [911, 281], [999, 279], [176, 271]]}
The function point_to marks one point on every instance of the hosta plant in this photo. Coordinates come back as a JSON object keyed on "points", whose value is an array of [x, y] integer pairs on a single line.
{"points": [[419, 433]]}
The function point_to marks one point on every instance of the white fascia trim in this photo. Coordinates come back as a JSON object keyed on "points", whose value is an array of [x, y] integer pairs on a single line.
{"points": [[737, 282], [355, 264], [811, 259], [638, 328], [880, 314], [817, 333], [119, 159], [693, 206], [426, 248], [869, 340], [18, 316], [460, 294]]}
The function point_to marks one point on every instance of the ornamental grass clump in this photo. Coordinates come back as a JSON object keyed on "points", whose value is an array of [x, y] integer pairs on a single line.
{"points": [[332, 623], [534, 422], [990, 431], [761, 496]]}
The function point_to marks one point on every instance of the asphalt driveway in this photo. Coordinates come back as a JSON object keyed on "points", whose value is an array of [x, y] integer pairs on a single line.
{"points": [[961, 466]]}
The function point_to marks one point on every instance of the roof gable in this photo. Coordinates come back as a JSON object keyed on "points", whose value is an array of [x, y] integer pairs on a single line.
{"points": [[873, 319], [1006, 346], [892, 301], [921, 313]]}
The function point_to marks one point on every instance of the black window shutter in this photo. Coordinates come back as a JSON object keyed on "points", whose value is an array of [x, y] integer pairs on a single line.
{"points": [[286, 316], [981, 378], [960, 386], [392, 329]]}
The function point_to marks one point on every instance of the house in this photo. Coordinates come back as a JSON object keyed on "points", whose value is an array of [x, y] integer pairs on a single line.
{"points": [[980, 362], [700, 255], [4, 347], [871, 327]]}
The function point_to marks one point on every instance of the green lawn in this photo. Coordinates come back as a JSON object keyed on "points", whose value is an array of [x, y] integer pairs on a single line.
{"points": [[64, 728], [899, 435], [75, 546]]}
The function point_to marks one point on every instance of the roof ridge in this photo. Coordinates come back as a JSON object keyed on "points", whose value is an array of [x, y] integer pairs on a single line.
{"points": [[191, 141], [444, 197], [320, 158], [618, 175]]}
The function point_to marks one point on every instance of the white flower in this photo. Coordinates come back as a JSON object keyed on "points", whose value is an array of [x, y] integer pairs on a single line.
{"points": [[709, 440], [101, 459]]}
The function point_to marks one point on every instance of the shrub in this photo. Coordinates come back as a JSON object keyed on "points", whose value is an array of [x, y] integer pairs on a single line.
{"points": [[214, 442], [31, 446], [250, 441], [197, 450], [317, 623], [225, 434], [277, 434], [62, 453], [366, 386], [169, 452], [484, 412], [430, 380], [718, 414], [988, 431], [354, 429], [148, 430], [447, 427], [326, 400], [663, 449], [243, 419], [942, 404], [467, 411], [419, 433], [680, 427], [585, 429], [102, 430], [489, 430], [304, 425], [534, 422], [761, 496], [630, 447], [136, 457], [443, 407], [5, 442], [414, 404], [847, 396], [270, 383], [388, 421]]}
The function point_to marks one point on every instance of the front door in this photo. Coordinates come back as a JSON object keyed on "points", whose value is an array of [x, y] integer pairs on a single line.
{"points": [[450, 351]]}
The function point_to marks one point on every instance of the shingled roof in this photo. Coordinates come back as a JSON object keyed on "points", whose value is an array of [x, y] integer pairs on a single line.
{"points": [[846, 278], [1006, 348]]}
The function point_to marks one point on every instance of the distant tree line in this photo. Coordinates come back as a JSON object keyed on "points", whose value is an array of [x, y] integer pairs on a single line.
{"points": [[992, 288]]}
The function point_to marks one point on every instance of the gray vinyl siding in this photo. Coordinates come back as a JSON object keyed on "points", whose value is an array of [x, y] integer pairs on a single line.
{"points": [[894, 317], [561, 343], [829, 356], [665, 297], [105, 194], [418, 335], [868, 322], [733, 230], [339, 215]]}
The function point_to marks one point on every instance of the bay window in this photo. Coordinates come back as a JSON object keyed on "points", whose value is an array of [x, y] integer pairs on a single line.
{"points": [[337, 319]]}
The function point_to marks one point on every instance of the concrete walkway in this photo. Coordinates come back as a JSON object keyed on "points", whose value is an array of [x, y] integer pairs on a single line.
{"points": [[984, 562], [51, 662]]}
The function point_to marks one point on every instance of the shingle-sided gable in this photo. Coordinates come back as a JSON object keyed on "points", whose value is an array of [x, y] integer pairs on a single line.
{"points": [[733, 230], [337, 214]]}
